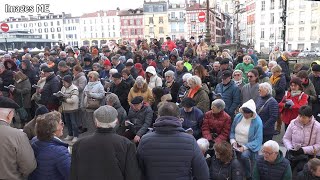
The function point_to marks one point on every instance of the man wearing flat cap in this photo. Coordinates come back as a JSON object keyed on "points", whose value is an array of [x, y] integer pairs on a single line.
{"points": [[121, 89], [104, 155], [315, 79], [139, 119], [17, 159], [51, 86]]}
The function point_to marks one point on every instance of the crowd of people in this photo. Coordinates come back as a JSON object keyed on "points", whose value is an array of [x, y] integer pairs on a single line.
{"points": [[180, 110]]}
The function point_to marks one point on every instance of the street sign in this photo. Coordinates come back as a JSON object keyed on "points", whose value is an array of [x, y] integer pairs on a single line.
{"points": [[202, 16], [4, 27]]}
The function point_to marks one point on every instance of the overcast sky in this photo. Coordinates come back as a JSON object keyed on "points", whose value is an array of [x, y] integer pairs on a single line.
{"points": [[75, 7]]}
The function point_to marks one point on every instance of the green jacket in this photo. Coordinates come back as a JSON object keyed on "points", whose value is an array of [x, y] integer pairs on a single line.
{"points": [[287, 174], [245, 68]]}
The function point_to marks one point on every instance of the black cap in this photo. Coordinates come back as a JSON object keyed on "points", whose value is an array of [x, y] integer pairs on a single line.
{"points": [[87, 58], [188, 102], [41, 110], [8, 103], [53, 52], [116, 75], [226, 74], [168, 37], [151, 57], [47, 69], [67, 78], [316, 67], [137, 100], [129, 64], [224, 61]]}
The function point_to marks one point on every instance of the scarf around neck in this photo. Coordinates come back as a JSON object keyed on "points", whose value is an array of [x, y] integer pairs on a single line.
{"points": [[274, 79], [193, 91]]}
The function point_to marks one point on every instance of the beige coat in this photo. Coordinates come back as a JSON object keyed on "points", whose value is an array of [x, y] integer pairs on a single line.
{"points": [[71, 102], [17, 159]]}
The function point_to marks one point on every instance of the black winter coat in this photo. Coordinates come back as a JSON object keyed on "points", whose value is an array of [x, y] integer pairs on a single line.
{"points": [[171, 154], [221, 171], [285, 69], [6, 78], [30, 72], [316, 105], [104, 155], [51, 86], [122, 91], [142, 120], [305, 174]]}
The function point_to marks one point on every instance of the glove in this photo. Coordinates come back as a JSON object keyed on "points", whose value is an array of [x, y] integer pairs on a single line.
{"points": [[299, 152], [287, 105], [211, 143]]}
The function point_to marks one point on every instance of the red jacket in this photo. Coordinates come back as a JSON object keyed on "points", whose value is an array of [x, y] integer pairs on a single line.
{"points": [[219, 123], [171, 45], [286, 114]]}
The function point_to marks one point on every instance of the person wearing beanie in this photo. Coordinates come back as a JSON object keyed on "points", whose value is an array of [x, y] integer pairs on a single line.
{"points": [[70, 106], [29, 127], [140, 70], [105, 72], [315, 79], [63, 69], [123, 166], [121, 89], [292, 101]]}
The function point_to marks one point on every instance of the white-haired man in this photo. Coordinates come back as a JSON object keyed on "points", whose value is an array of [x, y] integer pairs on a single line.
{"points": [[17, 159], [104, 155], [272, 164]]}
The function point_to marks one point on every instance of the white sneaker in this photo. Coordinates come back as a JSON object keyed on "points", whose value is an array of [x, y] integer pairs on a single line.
{"points": [[74, 139], [68, 138]]}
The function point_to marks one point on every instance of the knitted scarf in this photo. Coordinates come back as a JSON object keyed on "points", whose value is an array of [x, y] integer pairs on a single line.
{"points": [[193, 91], [274, 79]]}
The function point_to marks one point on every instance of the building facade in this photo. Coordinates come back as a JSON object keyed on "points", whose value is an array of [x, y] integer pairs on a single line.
{"points": [[71, 31], [99, 27], [132, 24], [177, 20], [155, 20]]}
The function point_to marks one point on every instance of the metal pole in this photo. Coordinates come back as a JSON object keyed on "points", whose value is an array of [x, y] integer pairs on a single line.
{"points": [[6, 44], [208, 35], [284, 20]]}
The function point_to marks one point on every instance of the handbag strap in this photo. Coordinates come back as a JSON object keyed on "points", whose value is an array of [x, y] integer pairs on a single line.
{"points": [[264, 105], [311, 134]]}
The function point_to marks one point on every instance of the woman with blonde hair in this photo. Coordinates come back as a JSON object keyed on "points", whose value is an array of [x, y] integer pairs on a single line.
{"points": [[140, 88]]}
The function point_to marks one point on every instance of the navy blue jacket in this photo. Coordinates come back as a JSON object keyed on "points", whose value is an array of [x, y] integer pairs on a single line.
{"points": [[170, 153], [268, 114], [53, 160], [280, 88], [192, 120], [230, 95]]}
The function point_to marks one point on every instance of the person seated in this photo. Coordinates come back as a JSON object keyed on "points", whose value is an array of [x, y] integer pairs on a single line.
{"points": [[302, 138], [311, 170], [52, 155], [113, 100], [192, 117], [216, 123], [272, 162], [140, 88], [30, 126], [171, 85], [223, 165], [139, 119], [204, 147], [246, 135]]}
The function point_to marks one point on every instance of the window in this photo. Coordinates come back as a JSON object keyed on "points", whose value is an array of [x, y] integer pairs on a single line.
{"points": [[114, 27], [301, 46], [125, 33], [263, 5], [151, 30], [58, 23], [30, 25], [132, 31], [181, 15], [272, 4], [45, 30], [138, 22], [45, 23], [113, 21], [138, 31], [47, 36], [131, 22], [11, 26], [291, 19], [102, 28], [102, 34], [90, 21], [39, 24], [272, 18], [52, 29], [84, 28], [313, 33], [84, 21], [226, 8], [96, 35], [173, 27], [173, 14], [262, 33], [193, 28], [301, 17], [290, 34], [181, 27], [59, 36], [161, 30], [314, 16], [150, 20], [280, 4], [114, 34], [91, 28], [301, 33], [25, 25], [125, 22], [262, 19], [52, 35], [160, 19]]}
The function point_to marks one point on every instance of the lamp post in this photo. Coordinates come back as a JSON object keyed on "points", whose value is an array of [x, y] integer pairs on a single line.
{"points": [[284, 20], [208, 35]]}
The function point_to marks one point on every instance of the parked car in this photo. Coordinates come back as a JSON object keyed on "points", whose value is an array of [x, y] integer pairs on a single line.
{"points": [[303, 54], [294, 53]]}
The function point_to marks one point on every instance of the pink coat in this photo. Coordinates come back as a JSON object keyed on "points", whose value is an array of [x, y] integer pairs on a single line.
{"points": [[298, 135]]}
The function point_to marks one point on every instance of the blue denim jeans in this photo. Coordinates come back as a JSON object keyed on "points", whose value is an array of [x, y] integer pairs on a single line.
{"points": [[71, 123], [248, 159]]}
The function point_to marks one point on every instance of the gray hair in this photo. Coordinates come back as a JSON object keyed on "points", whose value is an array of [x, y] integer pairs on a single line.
{"points": [[27, 56], [95, 74], [266, 86], [203, 144], [196, 80], [106, 125], [41, 55], [2, 66], [113, 99], [7, 56], [140, 80], [62, 53], [168, 109], [218, 103], [216, 62], [115, 57], [274, 63], [169, 73], [186, 76], [273, 145], [96, 65], [104, 58], [113, 71]]}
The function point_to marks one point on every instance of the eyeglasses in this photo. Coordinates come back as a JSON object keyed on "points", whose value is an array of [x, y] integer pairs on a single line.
{"points": [[267, 153], [236, 75]]}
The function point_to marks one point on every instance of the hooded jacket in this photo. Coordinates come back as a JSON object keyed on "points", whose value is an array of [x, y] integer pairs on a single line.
{"points": [[170, 153], [155, 80], [255, 129]]}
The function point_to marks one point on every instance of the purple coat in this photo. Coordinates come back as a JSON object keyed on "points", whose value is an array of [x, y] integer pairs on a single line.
{"points": [[299, 135]]}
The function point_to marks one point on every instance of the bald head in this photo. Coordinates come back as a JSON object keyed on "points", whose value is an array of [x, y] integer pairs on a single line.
{"points": [[179, 65]]}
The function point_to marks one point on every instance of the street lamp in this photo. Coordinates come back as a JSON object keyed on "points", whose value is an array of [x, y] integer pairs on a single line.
{"points": [[208, 35]]}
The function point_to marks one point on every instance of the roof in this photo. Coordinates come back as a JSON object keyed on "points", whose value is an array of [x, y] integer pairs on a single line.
{"points": [[131, 12], [196, 6], [100, 13]]}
